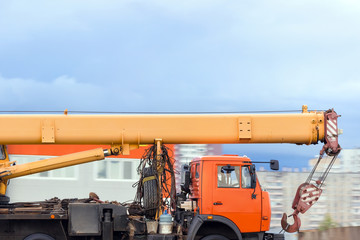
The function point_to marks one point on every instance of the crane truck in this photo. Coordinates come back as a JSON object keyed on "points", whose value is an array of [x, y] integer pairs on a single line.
{"points": [[220, 196]]}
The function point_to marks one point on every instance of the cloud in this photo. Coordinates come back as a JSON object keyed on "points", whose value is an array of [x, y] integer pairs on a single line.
{"points": [[60, 93]]}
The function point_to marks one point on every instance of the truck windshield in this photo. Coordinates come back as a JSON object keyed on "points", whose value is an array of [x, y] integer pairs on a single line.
{"points": [[228, 179]]}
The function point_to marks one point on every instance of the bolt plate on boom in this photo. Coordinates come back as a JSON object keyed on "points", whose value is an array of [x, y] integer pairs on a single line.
{"points": [[245, 128]]}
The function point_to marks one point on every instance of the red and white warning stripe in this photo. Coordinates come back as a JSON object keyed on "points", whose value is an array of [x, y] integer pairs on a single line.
{"points": [[332, 130], [331, 135]]}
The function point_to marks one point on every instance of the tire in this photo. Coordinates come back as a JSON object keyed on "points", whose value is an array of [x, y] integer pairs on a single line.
{"points": [[279, 237], [4, 200], [39, 236], [214, 237], [150, 195]]}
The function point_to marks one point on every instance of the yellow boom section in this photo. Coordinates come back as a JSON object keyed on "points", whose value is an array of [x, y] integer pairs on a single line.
{"points": [[51, 163], [9, 171], [302, 128]]}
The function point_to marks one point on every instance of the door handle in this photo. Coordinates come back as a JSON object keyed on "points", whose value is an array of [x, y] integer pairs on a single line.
{"points": [[218, 203]]}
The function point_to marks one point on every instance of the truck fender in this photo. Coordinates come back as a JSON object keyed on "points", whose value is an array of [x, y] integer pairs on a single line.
{"points": [[198, 220]]}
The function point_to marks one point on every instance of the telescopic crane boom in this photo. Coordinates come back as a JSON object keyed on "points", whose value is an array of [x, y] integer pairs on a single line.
{"points": [[133, 130]]}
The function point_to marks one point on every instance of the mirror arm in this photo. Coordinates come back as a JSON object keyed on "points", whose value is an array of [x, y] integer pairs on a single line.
{"points": [[272, 162], [254, 162]]}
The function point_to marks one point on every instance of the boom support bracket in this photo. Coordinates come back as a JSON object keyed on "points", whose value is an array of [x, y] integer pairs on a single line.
{"points": [[123, 149]]}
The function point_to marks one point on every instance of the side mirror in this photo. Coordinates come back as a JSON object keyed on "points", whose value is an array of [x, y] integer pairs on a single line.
{"points": [[253, 176], [252, 169], [274, 164], [185, 178]]}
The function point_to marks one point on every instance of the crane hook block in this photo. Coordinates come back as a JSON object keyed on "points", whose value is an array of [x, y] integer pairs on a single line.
{"points": [[306, 195], [293, 227]]}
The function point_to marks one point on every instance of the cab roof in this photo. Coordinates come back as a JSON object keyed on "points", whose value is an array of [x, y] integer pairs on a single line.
{"points": [[226, 157]]}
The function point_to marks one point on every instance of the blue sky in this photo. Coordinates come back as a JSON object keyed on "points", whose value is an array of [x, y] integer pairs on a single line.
{"points": [[185, 56]]}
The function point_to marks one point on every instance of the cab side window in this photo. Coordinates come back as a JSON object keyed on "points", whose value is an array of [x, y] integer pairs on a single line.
{"points": [[245, 177], [228, 179]]}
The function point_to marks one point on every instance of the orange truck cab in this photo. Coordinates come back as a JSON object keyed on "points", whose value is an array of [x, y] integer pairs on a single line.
{"points": [[226, 200]]}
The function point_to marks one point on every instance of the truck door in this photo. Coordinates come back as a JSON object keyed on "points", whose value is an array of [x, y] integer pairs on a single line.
{"points": [[234, 198]]}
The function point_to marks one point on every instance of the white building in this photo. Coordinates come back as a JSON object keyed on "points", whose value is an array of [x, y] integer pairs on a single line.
{"points": [[186, 152], [111, 179]]}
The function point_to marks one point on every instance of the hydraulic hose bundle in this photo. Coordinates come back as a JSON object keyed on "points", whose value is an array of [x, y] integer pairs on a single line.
{"points": [[157, 181]]}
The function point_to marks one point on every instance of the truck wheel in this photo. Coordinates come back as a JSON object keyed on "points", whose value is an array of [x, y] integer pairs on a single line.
{"points": [[4, 200], [39, 236], [279, 237], [150, 194], [214, 237]]}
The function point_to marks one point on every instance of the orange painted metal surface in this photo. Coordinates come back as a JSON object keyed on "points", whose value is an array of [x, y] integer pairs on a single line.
{"points": [[4, 161], [302, 128], [59, 150], [52, 163], [266, 211], [196, 172], [235, 203]]}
